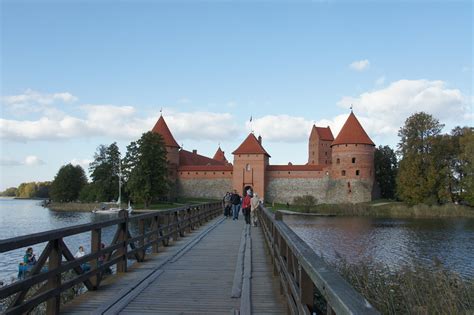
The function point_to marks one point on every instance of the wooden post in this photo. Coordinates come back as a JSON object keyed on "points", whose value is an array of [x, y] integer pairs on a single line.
{"points": [[156, 235], [122, 251], [141, 241], [96, 240], [52, 305], [162, 219], [306, 290]]}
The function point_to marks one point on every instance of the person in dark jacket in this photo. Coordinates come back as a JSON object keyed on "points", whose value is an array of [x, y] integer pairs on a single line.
{"points": [[235, 200]]}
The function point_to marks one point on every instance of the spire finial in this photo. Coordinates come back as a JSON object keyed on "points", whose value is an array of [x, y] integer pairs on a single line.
{"points": [[161, 111], [351, 108]]}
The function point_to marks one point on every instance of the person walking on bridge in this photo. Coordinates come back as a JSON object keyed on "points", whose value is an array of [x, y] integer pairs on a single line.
{"points": [[235, 200], [246, 205], [254, 204]]}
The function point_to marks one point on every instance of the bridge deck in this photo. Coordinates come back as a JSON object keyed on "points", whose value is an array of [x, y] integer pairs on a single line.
{"points": [[198, 274]]}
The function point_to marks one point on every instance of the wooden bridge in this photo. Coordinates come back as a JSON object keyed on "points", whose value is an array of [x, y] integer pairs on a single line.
{"points": [[189, 260]]}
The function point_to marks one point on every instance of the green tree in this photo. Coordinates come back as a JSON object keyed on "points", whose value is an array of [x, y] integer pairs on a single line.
{"points": [[415, 182], [386, 166], [43, 189], [27, 190], [68, 183], [466, 157], [145, 169], [9, 192], [105, 172]]}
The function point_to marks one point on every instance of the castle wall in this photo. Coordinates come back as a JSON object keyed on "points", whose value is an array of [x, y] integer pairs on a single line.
{"points": [[204, 184], [324, 189]]}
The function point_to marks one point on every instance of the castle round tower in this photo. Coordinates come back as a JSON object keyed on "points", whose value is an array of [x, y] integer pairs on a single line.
{"points": [[172, 147], [353, 162]]}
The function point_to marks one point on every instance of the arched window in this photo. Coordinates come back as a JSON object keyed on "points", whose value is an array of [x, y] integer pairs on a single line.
{"points": [[247, 167], [357, 172], [353, 160], [343, 173], [338, 161]]}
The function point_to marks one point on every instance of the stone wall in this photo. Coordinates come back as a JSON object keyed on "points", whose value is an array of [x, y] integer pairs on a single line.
{"points": [[325, 190], [203, 187]]}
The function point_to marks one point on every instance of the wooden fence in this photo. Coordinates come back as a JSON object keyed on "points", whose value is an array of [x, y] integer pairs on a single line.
{"points": [[302, 273], [155, 229]]}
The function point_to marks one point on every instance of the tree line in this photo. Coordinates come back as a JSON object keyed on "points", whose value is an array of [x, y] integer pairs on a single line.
{"points": [[428, 167], [28, 190]]}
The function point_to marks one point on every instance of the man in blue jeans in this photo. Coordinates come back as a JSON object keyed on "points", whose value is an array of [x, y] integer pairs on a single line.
{"points": [[235, 200]]}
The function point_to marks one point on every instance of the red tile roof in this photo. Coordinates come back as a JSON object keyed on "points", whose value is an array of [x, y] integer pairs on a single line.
{"points": [[307, 167], [208, 168], [250, 146], [220, 156], [162, 128], [352, 133], [324, 133], [187, 158]]}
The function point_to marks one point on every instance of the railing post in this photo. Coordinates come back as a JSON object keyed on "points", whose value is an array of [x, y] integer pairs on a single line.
{"points": [[96, 240], [306, 290], [141, 241], [122, 251], [53, 304], [156, 235]]}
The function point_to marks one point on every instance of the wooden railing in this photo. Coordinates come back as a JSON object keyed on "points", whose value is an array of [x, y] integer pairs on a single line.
{"points": [[302, 273], [155, 229]]}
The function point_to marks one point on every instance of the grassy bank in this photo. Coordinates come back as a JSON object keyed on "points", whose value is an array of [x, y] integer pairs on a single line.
{"points": [[410, 290], [73, 206], [386, 209]]}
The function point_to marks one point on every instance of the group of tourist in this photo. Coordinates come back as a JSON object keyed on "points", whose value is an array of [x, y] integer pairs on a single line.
{"points": [[249, 203], [29, 261]]}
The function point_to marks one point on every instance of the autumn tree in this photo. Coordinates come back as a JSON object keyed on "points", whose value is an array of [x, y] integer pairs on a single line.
{"points": [[68, 183], [145, 169], [466, 166], [386, 165], [415, 182]]}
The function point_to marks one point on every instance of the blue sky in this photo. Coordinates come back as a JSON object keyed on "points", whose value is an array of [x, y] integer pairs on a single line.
{"points": [[80, 74]]}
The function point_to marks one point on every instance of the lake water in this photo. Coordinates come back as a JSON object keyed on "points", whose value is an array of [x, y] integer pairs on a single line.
{"points": [[390, 241], [393, 242]]}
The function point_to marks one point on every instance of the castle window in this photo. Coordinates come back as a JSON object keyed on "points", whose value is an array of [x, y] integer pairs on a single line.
{"points": [[205, 173], [289, 172], [353, 160], [327, 173], [346, 145], [348, 185], [197, 173], [231, 173], [343, 173], [313, 153], [338, 161], [222, 173], [326, 153], [189, 173], [356, 144], [214, 173], [180, 173], [247, 167], [357, 172]]}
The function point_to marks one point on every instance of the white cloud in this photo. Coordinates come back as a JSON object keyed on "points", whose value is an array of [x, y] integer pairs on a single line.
{"points": [[201, 125], [281, 128], [30, 160], [360, 65], [382, 112], [84, 163], [184, 100]]}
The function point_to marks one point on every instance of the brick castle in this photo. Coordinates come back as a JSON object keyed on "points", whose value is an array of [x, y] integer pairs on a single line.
{"points": [[339, 170]]}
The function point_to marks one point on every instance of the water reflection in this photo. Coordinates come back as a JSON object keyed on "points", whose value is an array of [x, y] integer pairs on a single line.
{"points": [[393, 242]]}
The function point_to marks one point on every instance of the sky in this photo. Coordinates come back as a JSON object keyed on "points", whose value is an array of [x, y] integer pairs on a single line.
{"points": [[78, 74]]}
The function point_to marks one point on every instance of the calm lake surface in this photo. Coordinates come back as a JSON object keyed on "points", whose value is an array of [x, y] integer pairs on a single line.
{"points": [[390, 241], [393, 242]]}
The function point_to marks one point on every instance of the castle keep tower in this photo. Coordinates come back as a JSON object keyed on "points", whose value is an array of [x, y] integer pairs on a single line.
{"points": [[250, 163], [319, 146], [353, 160]]}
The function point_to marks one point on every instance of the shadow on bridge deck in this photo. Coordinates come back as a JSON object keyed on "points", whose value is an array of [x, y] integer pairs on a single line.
{"points": [[197, 275]]}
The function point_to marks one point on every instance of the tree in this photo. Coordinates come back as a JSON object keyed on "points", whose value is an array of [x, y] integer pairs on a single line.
{"points": [[68, 183], [466, 157], [105, 172], [26, 190], [145, 168], [9, 192], [386, 167], [415, 182]]}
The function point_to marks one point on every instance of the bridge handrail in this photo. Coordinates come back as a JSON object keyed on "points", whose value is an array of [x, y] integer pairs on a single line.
{"points": [[301, 271], [154, 229]]}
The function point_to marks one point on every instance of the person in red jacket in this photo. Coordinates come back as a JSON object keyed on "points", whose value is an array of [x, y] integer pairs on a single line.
{"points": [[246, 204]]}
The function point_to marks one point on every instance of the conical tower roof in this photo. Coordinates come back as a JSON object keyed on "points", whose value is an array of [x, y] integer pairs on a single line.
{"points": [[352, 133], [220, 156], [251, 146], [162, 128]]}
